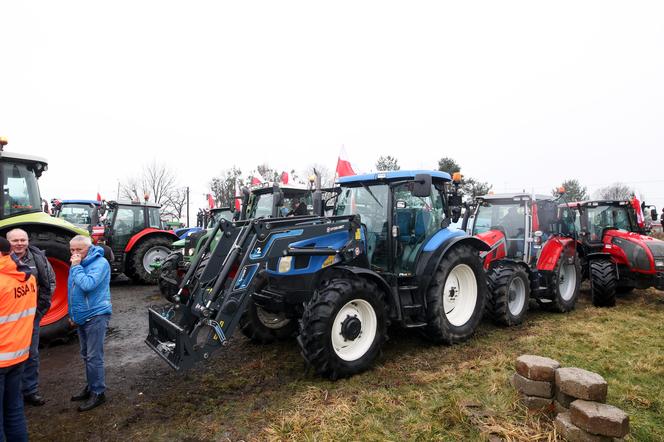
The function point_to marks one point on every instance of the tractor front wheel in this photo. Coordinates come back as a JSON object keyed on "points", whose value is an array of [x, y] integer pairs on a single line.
{"points": [[603, 282], [343, 327], [509, 292], [55, 322], [147, 252], [169, 282], [262, 326], [456, 297]]}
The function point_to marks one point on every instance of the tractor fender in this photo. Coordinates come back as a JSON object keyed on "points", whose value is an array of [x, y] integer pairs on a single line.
{"points": [[430, 260], [551, 252], [369, 274], [148, 232]]}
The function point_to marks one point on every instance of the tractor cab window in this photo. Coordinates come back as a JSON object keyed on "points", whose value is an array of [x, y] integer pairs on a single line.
{"points": [[371, 203], [128, 222], [570, 222], [217, 215], [77, 214], [297, 205], [261, 206], [154, 218], [509, 218], [601, 217], [416, 219], [20, 192]]}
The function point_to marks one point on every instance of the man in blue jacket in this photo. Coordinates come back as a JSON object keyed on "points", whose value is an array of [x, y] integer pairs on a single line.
{"points": [[90, 309]]}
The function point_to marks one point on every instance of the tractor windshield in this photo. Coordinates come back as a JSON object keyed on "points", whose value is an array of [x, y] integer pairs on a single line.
{"points": [[217, 215], [371, 203], [20, 192], [294, 204], [78, 214], [601, 217], [510, 218]]}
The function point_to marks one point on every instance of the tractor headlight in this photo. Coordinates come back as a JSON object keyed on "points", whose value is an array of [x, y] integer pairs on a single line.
{"points": [[189, 251], [285, 264]]}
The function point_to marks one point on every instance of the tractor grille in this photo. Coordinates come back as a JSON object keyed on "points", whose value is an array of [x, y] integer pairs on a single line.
{"points": [[637, 256]]}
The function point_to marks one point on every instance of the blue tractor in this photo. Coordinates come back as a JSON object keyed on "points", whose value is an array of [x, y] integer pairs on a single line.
{"points": [[385, 256]]}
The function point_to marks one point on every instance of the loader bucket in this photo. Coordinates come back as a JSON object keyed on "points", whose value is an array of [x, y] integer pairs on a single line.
{"points": [[170, 341]]}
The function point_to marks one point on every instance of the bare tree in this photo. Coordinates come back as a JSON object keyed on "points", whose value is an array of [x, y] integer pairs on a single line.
{"points": [[616, 191], [176, 202], [156, 181]]}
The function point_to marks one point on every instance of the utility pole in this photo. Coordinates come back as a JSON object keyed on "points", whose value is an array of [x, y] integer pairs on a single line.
{"points": [[187, 206]]}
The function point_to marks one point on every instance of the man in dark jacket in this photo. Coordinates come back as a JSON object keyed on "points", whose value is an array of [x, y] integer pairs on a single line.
{"points": [[42, 270], [89, 297]]}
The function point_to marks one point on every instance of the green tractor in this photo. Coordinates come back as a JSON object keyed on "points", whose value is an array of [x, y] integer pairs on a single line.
{"points": [[21, 207], [266, 200]]}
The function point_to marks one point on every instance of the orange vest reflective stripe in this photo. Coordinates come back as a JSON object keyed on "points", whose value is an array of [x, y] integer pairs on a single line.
{"points": [[18, 303]]}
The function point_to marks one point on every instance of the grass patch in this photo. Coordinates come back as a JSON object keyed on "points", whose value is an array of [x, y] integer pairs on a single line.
{"points": [[416, 391]]}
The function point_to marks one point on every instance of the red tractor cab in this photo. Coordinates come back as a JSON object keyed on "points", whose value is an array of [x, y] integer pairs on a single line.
{"points": [[533, 254], [135, 233], [616, 253]]}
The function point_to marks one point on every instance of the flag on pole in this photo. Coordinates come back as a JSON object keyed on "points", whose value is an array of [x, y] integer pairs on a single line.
{"points": [[210, 200], [238, 196], [98, 197], [257, 178], [639, 213], [284, 177], [343, 165]]}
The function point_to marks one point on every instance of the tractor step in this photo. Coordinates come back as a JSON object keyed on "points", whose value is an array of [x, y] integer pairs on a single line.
{"points": [[405, 288], [410, 308]]}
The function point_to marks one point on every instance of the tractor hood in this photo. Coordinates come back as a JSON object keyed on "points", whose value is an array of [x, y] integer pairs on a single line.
{"points": [[41, 218]]}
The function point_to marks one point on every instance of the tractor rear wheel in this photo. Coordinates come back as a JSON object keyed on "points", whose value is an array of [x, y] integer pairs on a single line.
{"points": [[147, 252], [603, 282], [343, 327], [566, 285], [456, 297], [169, 281], [509, 292], [55, 323], [262, 326]]}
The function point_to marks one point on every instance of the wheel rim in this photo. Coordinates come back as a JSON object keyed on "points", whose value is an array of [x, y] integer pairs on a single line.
{"points": [[517, 296], [567, 281], [58, 308], [153, 254], [271, 320], [460, 295], [353, 347]]}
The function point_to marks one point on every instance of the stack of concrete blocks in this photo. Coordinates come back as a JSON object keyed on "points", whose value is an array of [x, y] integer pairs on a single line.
{"points": [[535, 381], [577, 397], [580, 397]]}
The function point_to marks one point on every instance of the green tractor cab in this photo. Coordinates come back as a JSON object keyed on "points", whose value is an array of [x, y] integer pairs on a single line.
{"points": [[21, 207]]}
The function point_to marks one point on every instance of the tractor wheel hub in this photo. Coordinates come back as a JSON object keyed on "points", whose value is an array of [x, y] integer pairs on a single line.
{"points": [[351, 328]]}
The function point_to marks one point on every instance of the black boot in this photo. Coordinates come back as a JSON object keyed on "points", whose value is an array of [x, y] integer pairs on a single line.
{"points": [[83, 395], [35, 399], [94, 401]]}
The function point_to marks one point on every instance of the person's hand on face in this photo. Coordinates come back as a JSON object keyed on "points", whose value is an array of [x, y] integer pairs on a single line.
{"points": [[75, 259], [78, 251]]}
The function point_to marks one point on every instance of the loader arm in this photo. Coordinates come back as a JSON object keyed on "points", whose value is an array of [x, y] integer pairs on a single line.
{"points": [[220, 282]]}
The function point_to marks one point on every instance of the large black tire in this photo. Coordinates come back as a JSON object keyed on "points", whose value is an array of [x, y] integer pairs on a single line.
{"points": [[603, 282], [56, 247], [169, 281], [509, 294], [141, 271], [565, 291], [264, 327], [325, 330], [451, 326]]}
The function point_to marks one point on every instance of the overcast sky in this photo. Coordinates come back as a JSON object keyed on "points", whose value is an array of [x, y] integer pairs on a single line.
{"points": [[522, 94]]}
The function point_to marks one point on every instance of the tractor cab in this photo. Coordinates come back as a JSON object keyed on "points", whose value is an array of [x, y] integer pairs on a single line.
{"points": [[400, 213], [517, 223], [268, 200], [20, 191], [598, 216], [81, 213]]}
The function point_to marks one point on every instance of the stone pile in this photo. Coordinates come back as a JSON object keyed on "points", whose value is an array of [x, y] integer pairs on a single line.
{"points": [[577, 396]]}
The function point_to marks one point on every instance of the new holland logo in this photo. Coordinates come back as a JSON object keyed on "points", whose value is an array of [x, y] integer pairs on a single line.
{"points": [[333, 229]]}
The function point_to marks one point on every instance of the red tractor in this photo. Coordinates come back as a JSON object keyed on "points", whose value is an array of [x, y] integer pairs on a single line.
{"points": [[533, 254], [617, 254], [135, 234]]}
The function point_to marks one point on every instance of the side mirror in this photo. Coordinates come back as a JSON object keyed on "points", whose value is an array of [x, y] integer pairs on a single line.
{"points": [[456, 213], [455, 201], [422, 185], [94, 217], [653, 214]]}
